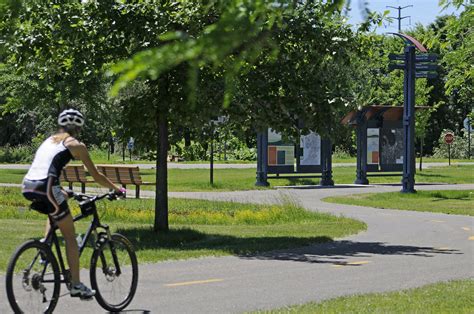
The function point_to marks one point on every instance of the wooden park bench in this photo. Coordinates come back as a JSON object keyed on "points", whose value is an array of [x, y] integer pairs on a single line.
{"points": [[75, 174], [123, 175], [174, 158]]}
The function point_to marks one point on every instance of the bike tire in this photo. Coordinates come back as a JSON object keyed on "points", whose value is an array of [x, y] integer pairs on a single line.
{"points": [[103, 273], [24, 292]]}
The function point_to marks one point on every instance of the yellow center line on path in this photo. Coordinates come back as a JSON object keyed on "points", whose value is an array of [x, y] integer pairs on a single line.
{"points": [[466, 229], [437, 221], [196, 282], [350, 264]]}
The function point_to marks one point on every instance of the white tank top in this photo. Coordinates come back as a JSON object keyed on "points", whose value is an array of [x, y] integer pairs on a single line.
{"points": [[50, 159]]}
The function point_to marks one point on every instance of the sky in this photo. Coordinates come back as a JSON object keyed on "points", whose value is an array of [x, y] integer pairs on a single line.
{"points": [[423, 11]]}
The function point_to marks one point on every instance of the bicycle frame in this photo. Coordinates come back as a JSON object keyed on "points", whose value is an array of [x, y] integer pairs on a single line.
{"points": [[37, 268], [52, 240]]}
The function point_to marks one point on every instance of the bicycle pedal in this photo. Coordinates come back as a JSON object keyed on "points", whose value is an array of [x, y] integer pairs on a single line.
{"points": [[83, 298], [86, 298]]}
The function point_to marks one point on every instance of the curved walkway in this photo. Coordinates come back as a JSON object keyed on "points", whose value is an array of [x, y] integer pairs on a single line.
{"points": [[400, 249]]}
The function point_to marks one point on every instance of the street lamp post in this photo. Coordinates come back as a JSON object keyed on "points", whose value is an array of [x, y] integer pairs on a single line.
{"points": [[220, 120], [400, 17]]}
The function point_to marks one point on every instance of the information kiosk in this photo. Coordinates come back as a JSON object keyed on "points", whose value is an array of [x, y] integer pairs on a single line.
{"points": [[279, 157], [380, 150]]}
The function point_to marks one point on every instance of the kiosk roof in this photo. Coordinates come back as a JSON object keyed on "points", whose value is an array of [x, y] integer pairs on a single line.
{"points": [[389, 113]]}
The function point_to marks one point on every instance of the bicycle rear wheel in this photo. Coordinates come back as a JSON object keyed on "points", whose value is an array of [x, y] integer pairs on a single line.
{"points": [[33, 279], [114, 273]]}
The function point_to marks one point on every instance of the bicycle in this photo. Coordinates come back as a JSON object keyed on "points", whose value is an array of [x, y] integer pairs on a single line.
{"points": [[35, 273]]}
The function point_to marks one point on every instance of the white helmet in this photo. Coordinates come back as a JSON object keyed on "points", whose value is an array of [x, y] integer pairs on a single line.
{"points": [[71, 117]]}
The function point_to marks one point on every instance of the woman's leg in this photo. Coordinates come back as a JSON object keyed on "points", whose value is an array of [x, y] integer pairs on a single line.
{"points": [[66, 225], [46, 229]]}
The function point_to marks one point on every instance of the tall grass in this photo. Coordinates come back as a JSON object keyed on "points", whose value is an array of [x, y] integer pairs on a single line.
{"points": [[181, 211]]}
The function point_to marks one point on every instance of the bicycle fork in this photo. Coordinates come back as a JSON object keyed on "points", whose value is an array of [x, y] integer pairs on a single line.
{"points": [[105, 238]]}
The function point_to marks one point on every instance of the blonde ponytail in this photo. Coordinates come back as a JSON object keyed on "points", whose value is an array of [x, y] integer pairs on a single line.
{"points": [[59, 137]]}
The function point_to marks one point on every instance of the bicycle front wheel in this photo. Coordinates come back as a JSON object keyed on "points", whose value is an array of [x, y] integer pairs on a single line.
{"points": [[114, 273], [33, 279]]}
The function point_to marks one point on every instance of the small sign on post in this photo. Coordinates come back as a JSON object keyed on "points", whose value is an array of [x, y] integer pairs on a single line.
{"points": [[130, 144], [449, 139]]}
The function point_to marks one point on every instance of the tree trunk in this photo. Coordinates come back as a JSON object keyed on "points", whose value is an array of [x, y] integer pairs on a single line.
{"points": [[421, 154], [187, 139], [161, 199]]}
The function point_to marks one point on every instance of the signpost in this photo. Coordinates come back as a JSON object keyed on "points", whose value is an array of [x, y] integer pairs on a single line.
{"points": [[449, 139], [414, 66], [468, 126], [213, 123]]}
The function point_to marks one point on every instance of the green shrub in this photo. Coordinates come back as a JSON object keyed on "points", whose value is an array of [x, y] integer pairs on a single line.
{"points": [[151, 155], [340, 153], [459, 148], [16, 154], [244, 153], [193, 152]]}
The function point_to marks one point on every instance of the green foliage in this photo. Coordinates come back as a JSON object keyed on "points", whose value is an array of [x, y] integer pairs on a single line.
{"points": [[16, 154], [193, 152], [240, 26], [340, 153], [243, 153], [20, 153], [459, 55], [459, 148]]}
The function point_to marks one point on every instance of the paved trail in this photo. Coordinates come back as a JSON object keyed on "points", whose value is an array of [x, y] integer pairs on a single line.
{"points": [[400, 249], [174, 165]]}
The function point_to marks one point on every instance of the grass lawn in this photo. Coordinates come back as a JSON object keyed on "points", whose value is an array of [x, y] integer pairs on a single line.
{"points": [[198, 228], [448, 202], [447, 297], [244, 179]]}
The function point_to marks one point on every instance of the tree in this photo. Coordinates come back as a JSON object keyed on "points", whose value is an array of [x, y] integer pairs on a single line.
{"points": [[73, 43], [307, 81], [194, 45], [459, 58], [239, 35]]}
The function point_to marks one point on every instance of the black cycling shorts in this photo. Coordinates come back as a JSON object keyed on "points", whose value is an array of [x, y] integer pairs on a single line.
{"points": [[42, 201]]}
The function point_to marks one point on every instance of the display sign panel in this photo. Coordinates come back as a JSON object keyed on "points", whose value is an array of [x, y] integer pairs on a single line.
{"points": [[311, 146], [373, 146], [392, 146], [279, 152], [285, 156]]}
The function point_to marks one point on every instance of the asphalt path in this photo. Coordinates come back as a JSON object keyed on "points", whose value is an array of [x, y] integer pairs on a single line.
{"points": [[174, 165], [400, 249]]}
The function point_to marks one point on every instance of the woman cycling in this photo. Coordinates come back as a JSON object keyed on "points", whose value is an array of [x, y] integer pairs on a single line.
{"points": [[41, 186]]}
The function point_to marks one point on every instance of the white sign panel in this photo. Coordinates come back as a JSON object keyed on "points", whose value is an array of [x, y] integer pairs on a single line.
{"points": [[373, 140], [311, 145]]}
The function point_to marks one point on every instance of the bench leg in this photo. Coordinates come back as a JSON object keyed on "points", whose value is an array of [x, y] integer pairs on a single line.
{"points": [[70, 186], [125, 187], [83, 188], [137, 191]]}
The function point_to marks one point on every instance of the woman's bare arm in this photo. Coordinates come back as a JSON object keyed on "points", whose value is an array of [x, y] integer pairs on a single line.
{"points": [[79, 151]]}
